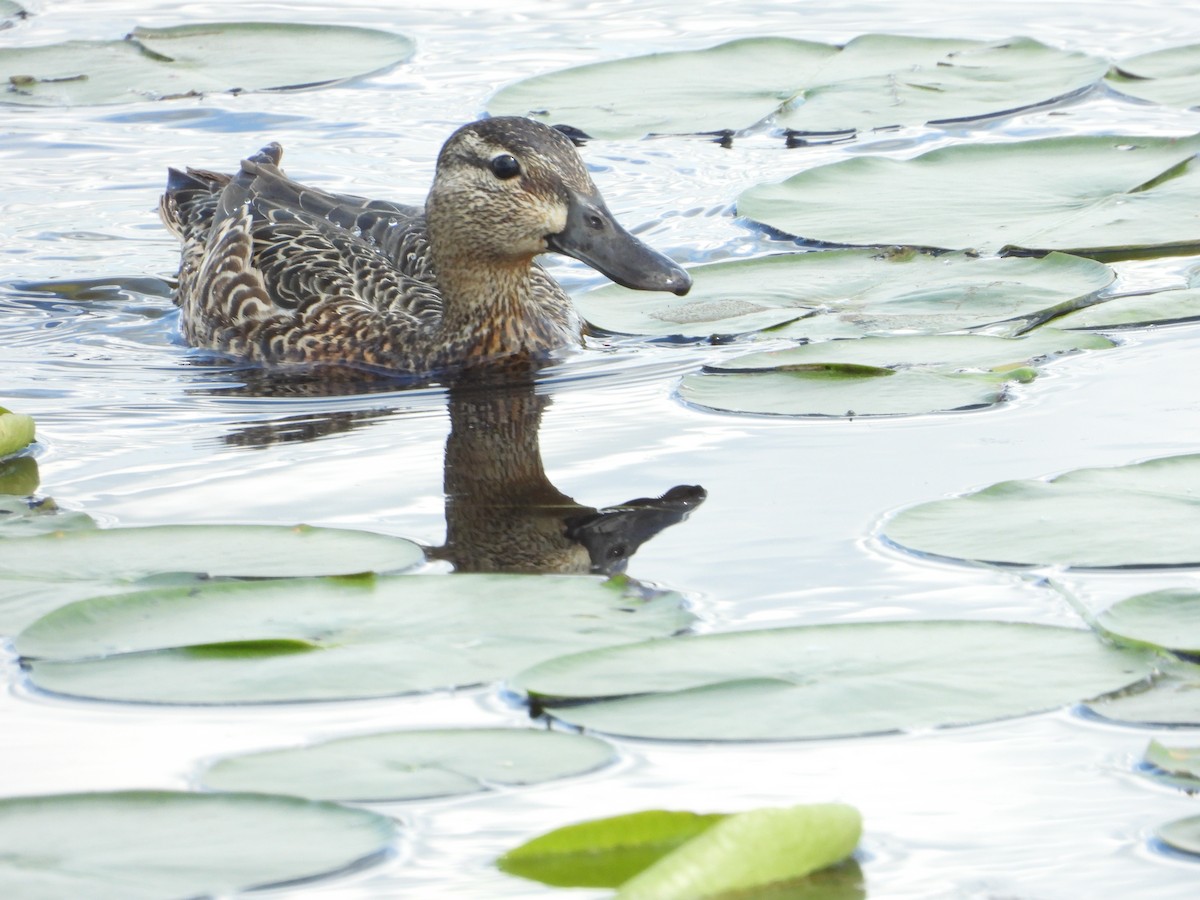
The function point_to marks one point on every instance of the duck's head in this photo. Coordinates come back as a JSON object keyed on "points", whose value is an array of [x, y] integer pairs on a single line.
{"points": [[509, 188]]}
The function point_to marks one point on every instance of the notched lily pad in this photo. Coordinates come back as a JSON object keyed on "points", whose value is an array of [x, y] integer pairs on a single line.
{"points": [[361, 637], [845, 293], [829, 681], [411, 765], [145, 845], [1141, 515], [160, 63], [934, 373], [243, 551], [1107, 196], [1170, 77], [873, 81]]}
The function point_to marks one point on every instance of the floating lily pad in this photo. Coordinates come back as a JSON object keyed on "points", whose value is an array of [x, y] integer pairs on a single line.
{"points": [[326, 639], [873, 81], [146, 845], [1159, 308], [246, 551], [19, 477], [1173, 699], [159, 63], [16, 432], [1169, 619], [878, 376], [829, 681], [1182, 835], [1170, 77], [1129, 516], [1176, 766], [604, 852], [1095, 195], [855, 291], [409, 765]]}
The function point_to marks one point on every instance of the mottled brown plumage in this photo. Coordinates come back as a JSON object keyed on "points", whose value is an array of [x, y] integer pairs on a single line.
{"points": [[276, 272]]}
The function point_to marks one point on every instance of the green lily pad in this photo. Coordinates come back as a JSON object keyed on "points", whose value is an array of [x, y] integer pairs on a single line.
{"points": [[873, 81], [878, 376], [856, 291], [1176, 766], [751, 850], [159, 63], [1144, 514], [1132, 310], [828, 681], [1169, 619], [604, 852], [1170, 77], [410, 765], [1095, 195], [246, 551], [19, 477], [16, 432], [1172, 699], [146, 845], [1182, 835], [327, 639]]}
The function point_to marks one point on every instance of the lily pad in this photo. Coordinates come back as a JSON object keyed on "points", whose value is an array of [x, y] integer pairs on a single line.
{"points": [[19, 477], [855, 291], [1169, 619], [246, 551], [16, 432], [605, 852], [877, 376], [829, 681], [1176, 766], [1172, 699], [327, 639], [1112, 196], [1135, 310], [1170, 77], [410, 765], [1182, 835], [873, 81], [146, 845], [1138, 515], [160, 63]]}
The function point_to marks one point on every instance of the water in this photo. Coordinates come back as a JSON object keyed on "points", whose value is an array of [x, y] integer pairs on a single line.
{"points": [[136, 429]]}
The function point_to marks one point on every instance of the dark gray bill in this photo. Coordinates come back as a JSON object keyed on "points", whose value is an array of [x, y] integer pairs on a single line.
{"points": [[593, 236]]}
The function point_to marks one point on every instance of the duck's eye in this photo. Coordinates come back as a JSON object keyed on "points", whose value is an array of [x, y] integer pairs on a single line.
{"points": [[505, 166]]}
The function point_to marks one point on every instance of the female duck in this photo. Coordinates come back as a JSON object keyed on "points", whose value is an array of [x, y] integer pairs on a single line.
{"points": [[275, 272]]}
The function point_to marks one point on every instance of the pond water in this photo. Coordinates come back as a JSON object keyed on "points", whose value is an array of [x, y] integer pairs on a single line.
{"points": [[135, 429]]}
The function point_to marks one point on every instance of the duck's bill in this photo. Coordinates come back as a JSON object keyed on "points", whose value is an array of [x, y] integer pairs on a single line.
{"points": [[593, 236]]}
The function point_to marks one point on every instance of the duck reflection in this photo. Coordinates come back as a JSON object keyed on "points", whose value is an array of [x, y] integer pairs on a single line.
{"points": [[502, 512]]}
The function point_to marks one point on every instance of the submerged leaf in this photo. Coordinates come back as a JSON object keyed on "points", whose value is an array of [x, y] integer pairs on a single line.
{"points": [[1144, 514], [1094, 195], [829, 681], [146, 845]]}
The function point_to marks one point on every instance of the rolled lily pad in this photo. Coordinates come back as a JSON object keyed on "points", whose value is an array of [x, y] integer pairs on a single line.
{"points": [[146, 845], [1138, 515], [410, 765], [1112, 196], [604, 852], [327, 639], [1134, 310], [159, 63], [829, 681], [878, 376], [16, 432], [1182, 835], [1172, 699], [1170, 77], [1169, 619], [1176, 766], [873, 81], [855, 291], [246, 551]]}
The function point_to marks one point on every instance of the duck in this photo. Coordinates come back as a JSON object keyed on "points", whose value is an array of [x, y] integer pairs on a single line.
{"points": [[276, 273]]}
